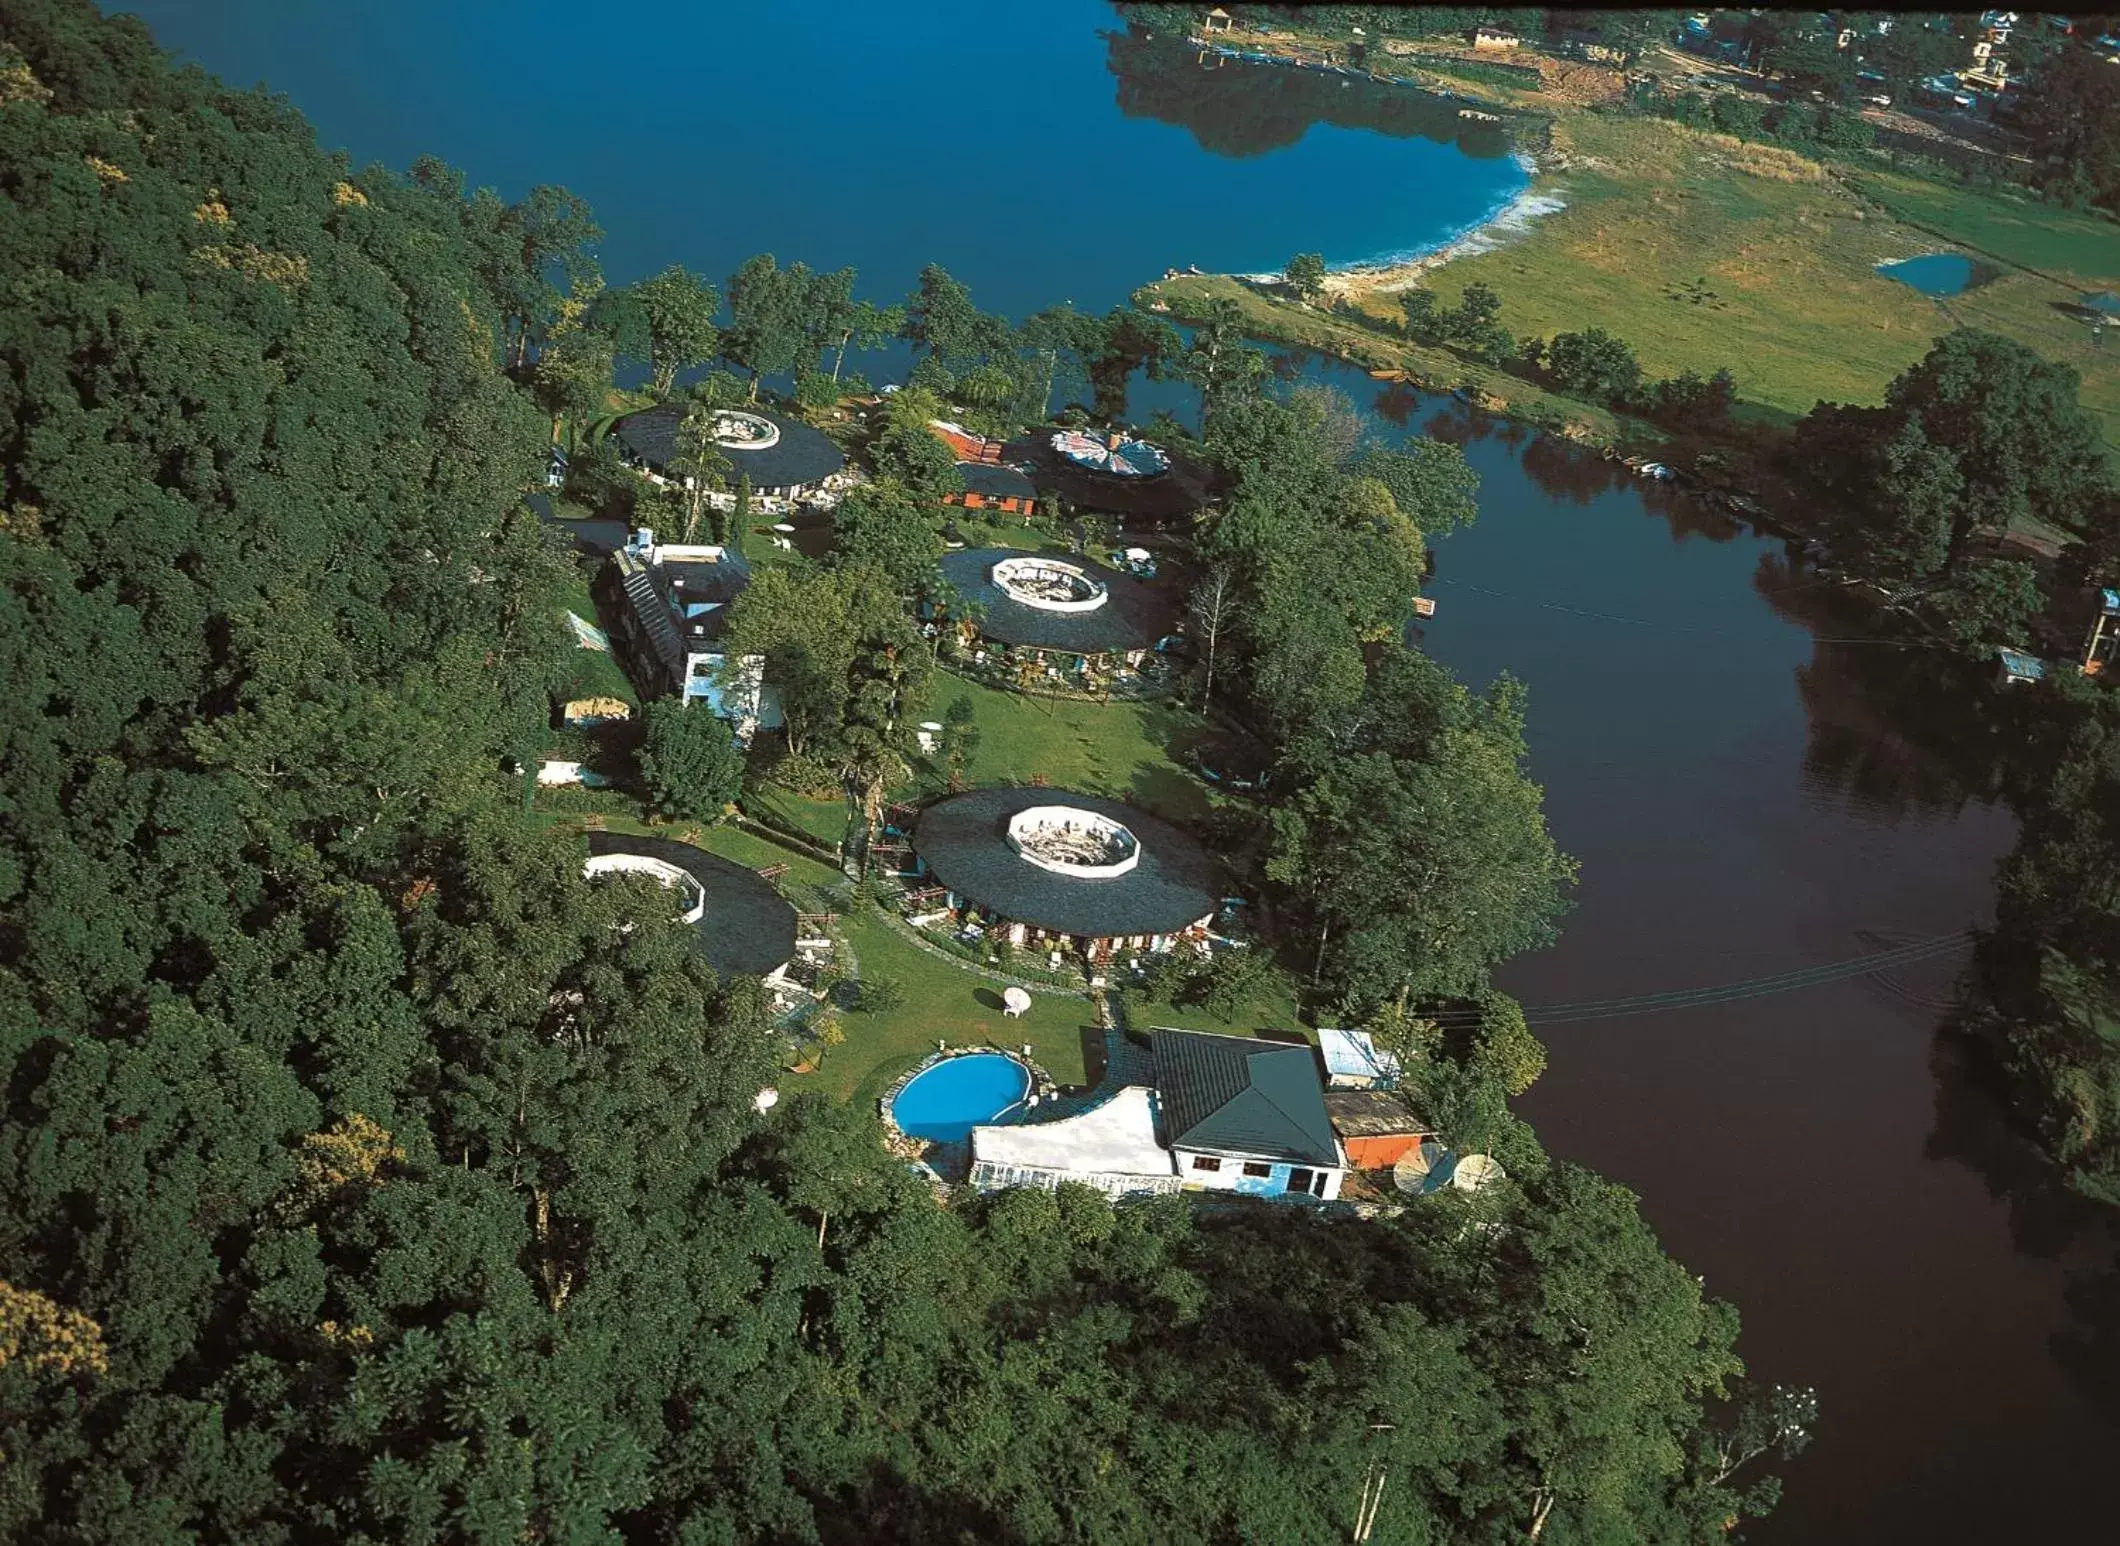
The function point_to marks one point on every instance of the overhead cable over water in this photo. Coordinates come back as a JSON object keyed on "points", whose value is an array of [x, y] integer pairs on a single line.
{"points": [[1928, 948]]}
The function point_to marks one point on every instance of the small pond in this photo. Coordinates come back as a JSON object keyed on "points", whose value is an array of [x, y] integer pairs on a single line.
{"points": [[1938, 273], [944, 1103]]}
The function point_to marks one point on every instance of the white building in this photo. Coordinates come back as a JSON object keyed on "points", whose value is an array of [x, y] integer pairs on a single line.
{"points": [[1111, 1147], [1353, 1061], [672, 602], [1226, 1113]]}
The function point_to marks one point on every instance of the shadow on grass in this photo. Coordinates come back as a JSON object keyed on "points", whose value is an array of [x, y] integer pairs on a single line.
{"points": [[1096, 1057], [988, 999]]}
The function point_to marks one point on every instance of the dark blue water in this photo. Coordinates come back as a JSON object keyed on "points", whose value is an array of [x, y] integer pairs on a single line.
{"points": [[946, 1102], [1746, 796], [1935, 273], [988, 138]]}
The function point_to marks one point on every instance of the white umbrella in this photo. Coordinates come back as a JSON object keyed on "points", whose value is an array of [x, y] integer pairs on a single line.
{"points": [[1015, 1002]]}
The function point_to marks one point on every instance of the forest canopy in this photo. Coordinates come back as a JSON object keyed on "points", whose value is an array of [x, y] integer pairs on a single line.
{"points": [[367, 1177]]}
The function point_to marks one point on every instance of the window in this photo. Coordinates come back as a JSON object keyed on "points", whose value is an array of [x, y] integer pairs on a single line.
{"points": [[1206, 1162], [1254, 1168]]}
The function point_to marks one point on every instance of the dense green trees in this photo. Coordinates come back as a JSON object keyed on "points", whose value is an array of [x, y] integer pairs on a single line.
{"points": [[1410, 845], [1980, 433], [2071, 107], [2051, 969], [689, 761], [888, 528], [1594, 364], [668, 321], [368, 1176]]}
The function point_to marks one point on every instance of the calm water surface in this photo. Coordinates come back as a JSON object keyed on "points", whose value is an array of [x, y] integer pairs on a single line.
{"points": [[1937, 273], [980, 136], [1745, 798]]}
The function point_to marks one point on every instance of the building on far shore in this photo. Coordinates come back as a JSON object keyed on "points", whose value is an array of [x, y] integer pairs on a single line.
{"points": [[783, 457], [1495, 38], [1050, 869], [672, 602]]}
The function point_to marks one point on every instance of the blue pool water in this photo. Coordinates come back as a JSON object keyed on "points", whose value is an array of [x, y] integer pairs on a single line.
{"points": [[1935, 273], [945, 1103]]}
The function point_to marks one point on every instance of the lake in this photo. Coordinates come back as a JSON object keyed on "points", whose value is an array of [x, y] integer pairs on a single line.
{"points": [[994, 139], [1748, 796]]}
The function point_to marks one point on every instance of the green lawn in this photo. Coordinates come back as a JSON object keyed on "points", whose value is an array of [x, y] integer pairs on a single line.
{"points": [[1274, 1009], [592, 673], [1128, 751], [943, 1003], [1782, 255], [824, 820], [2019, 231]]}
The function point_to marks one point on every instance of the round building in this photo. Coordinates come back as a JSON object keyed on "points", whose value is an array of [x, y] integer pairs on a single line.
{"points": [[1046, 867], [783, 457], [1069, 612], [741, 923]]}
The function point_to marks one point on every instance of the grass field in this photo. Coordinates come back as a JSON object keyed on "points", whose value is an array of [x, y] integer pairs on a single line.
{"points": [[592, 673], [824, 820], [943, 1003], [1704, 253], [1128, 751], [2079, 248]]}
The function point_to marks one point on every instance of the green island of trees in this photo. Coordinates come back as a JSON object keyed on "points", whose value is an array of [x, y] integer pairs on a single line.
{"points": [[368, 1177]]}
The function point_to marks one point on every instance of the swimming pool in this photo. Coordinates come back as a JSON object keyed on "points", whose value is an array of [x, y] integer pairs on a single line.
{"points": [[944, 1103]]}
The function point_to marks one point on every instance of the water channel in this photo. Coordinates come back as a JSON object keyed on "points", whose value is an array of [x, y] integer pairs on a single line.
{"points": [[1746, 796]]}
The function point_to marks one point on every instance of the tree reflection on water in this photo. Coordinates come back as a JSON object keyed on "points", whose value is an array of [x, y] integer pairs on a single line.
{"points": [[1234, 107]]}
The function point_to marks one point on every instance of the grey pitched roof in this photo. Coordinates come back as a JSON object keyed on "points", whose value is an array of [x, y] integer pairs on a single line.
{"points": [[1138, 614], [964, 841], [748, 927], [802, 455], [637, 581], [1239, 1096]]}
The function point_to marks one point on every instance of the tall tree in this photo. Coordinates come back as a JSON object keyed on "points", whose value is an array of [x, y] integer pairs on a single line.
{"points": [[865, 326], [1306, 276], [690, 761], [940, 316], [676, 310], [1217, 361], [770, 318]]}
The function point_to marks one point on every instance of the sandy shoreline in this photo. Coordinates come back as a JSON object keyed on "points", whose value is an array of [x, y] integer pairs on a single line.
{"points": [[1510, 223]]}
